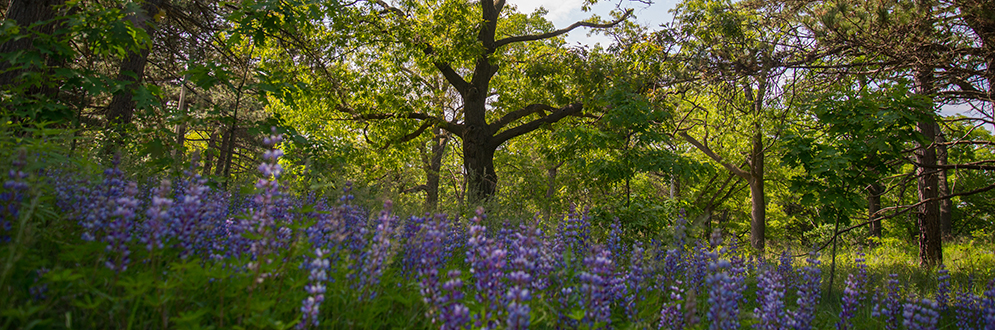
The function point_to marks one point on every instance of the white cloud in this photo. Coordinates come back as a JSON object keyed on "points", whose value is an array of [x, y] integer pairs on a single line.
{"points": [[558, 9]]}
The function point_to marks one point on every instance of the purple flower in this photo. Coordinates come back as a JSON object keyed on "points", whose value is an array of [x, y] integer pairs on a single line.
{"points": [[487, 261], [851, 299], [317, 276], [595, 287], [14, 190], [920, 314], [888, 307], [454, 314], [724, 294], [431, 262], [770, 298], [518, 298], [157, 215], [634, 280], [988, 306], [672, 316], [808, 295], [942, 287], [968, 310], [119, 230], [262, 222], [379, 254], [37, 290]]}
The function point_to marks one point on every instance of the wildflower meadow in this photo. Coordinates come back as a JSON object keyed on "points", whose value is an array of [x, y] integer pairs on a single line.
{"points": [[176, 253]]}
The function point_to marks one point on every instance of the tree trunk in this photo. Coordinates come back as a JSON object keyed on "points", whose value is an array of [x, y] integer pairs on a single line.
{"points": [[223, 154], [927, 181], [121, 110], [943, 188], [930, 240], [758, 202], [675, 186], [25, 13], [874, 192], [927, 175], [209, 152], [432, 170], [478, 151], [481, 179]]}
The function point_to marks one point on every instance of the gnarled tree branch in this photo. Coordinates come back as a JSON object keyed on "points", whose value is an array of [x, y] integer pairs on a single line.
{"points": [[548, 35], [533, 125]]}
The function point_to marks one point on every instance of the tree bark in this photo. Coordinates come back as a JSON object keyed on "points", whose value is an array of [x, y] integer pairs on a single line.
{"points": [[927, 177], [122, 107], [224, 156], [943, 188], [25, 13], [758, 201], [209, 152], [432, 170], [121, 110], [874, 192], [930, 240], [478, 159], [675, 186]]}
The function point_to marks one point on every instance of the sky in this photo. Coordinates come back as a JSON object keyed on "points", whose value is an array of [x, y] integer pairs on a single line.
{"points": [[565, 12]]}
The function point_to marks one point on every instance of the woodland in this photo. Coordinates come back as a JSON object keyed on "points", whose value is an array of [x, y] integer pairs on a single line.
{"points": [[790, 164]]}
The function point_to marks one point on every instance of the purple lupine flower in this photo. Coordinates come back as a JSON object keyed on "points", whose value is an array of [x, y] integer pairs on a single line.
{"points": [[615, 243], [412, 244], [430, 264], [379, 254], [317, 276], [968, 310], [786, 269], [518, 298], [453, 313], [262, 223], [527, 256], [723, 296], [574, 233], [887, 307], [808, 295], [680, 228], [119, 230], [545, 264], [920, 314], [97, 207], [770, 298], [851, 299], [942, 288], [673, 267], [37, 290], [595, 287], [190, 215], [11, 197], [697, 267], [988, 306], [157, 213], [487, 261], [634, 280], [672, 316]]}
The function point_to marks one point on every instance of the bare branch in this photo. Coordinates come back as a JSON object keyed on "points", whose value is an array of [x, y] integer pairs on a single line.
{"points": [[548, 35], [711, 154], [451, 75], [518, 114], [454, 128], [572, 109]]}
